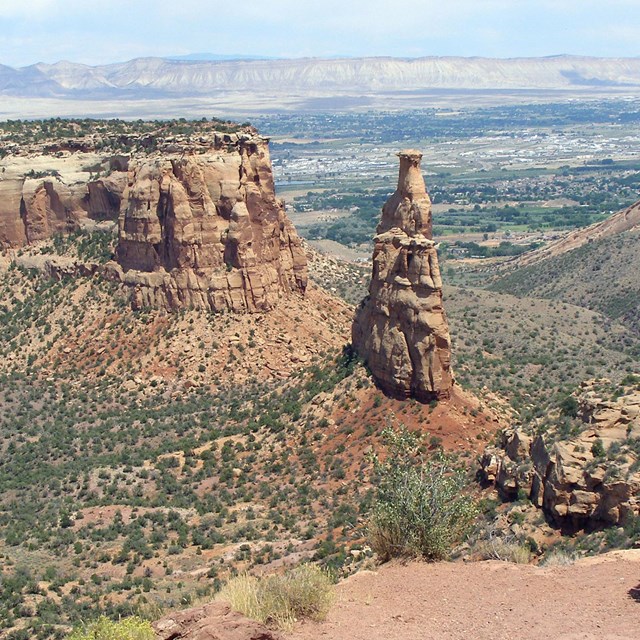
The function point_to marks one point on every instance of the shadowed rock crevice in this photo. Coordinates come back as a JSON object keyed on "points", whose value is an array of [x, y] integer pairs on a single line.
{"points": [[401, 329]]}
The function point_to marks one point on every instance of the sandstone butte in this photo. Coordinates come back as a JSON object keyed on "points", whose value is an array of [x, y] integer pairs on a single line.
{"points": [[400, 328], [199, 224]]}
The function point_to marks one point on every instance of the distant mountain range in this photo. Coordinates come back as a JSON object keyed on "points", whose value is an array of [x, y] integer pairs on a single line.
{"points": [[158, 77], [215, 57]]}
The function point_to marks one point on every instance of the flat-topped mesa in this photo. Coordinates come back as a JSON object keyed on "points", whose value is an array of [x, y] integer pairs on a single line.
{"points": [[401, 329], [199, 224], [409, 207], [58, 176], [206, 231]]}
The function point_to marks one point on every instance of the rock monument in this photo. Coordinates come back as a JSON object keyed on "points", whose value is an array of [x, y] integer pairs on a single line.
{"points": [[207, 231], [199, 224], [400, 328]]}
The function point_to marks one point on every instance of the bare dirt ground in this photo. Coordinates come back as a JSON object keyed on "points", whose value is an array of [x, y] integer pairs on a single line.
{"points": [[595, 598]]}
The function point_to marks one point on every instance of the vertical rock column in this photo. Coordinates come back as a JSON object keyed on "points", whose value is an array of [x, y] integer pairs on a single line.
{"points": [[400, 328]]}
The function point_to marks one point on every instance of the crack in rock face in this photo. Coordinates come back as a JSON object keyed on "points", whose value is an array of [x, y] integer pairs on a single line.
{"points": [[400, 328]]}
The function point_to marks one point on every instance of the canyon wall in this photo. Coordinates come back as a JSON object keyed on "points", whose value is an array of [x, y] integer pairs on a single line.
{"points": [[199, 224], [401, 329]]}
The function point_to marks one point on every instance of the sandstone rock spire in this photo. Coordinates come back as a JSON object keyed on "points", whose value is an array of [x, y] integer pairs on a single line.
{"points": [[409, 207], [401, 329]]}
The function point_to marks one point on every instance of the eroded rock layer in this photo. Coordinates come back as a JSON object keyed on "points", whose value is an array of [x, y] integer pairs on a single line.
{"points": [[401, 328], [34, 209], [588, 480], [207, 231], [199, 224]]}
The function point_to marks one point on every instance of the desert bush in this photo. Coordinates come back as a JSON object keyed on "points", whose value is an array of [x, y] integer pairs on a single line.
{"points": [[303, 592], [133, 628], [597, 449], [420, 508]]}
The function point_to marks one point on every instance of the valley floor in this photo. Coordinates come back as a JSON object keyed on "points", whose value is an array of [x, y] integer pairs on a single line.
{"points": [[595, 598]]}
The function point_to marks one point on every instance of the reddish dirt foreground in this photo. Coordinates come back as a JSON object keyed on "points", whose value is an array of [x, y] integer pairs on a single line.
{"points": [[595, 598]]}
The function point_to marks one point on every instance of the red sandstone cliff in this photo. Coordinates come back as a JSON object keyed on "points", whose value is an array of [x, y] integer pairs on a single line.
{"points": [[207, 231], [199, 222]]}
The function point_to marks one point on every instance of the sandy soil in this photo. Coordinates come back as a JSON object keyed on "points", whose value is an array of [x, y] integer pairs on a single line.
{"points": [[596, 598]]}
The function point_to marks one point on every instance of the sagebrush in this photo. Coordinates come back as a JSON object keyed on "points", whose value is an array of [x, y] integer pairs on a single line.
{"points": [[421, 508]]}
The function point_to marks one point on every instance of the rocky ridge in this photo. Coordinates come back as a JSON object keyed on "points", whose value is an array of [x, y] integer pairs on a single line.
{"points": [[316, 76], [582, 481], [401, 329], [199, 224], [620, 222]]}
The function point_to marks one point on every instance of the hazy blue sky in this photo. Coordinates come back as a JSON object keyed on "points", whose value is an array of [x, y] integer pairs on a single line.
{"points": [[116, 30]]}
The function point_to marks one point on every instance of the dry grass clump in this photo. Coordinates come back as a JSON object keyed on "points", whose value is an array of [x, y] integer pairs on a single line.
{"points": [[279, 600], [558, 558], [507, 550], [492, 545], [133, 628]]}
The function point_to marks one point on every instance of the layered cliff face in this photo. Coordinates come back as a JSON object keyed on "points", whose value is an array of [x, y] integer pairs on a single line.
{"points": [[401, 329], [199, 223], [34, 209], [207, 231]]}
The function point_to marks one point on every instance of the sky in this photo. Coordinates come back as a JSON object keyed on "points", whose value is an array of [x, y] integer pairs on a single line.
{"points": [[100, 32]]}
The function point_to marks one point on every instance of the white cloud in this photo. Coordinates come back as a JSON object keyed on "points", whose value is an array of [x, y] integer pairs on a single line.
{"points": [[21, 10]]}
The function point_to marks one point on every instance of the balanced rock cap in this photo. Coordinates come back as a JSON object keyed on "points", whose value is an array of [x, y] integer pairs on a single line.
{"points": [[409, 208]]}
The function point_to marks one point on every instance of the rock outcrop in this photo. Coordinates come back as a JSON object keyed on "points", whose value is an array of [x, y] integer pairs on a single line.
{"points": [[199, 222], [214, 621], [401, 329], [587, 481], [34, 209], [207, 231]]}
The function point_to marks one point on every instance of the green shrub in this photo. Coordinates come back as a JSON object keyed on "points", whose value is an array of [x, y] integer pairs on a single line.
{"points": [[597, 448], [420, 508], [569, 406], [104, 629], [303, 592]]}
